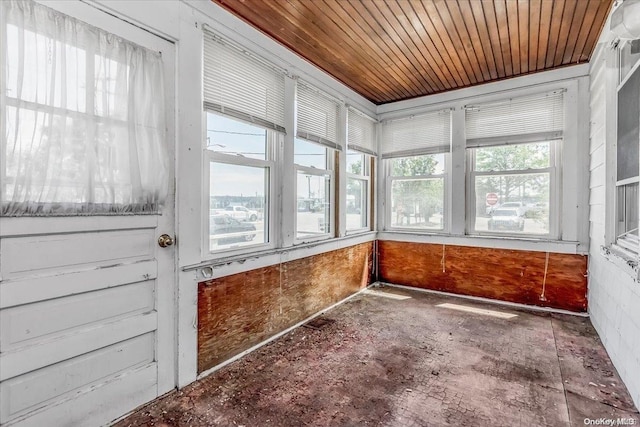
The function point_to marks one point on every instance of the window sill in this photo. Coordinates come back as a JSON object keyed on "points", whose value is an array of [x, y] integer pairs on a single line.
{"points": [[624, 262], [498, 242], [357, 232], [230, 264]]}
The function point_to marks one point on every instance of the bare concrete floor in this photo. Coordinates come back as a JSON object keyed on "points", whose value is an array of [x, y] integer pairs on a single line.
{"points": [[382, 361]]}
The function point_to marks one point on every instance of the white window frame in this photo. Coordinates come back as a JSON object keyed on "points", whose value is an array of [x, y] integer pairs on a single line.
{"points": [[389, 185], [274, 140], [364, 178], [330, 172], [554, 169], [622, 245]]}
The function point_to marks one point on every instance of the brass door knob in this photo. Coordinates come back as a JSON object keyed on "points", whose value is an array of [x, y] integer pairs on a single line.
{"points": [[165, 240]]}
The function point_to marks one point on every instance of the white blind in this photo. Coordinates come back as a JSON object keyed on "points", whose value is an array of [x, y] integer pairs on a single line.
{"points": [[539, 117], [428, 133], [361, 132], [317, 117], [241, 86]]}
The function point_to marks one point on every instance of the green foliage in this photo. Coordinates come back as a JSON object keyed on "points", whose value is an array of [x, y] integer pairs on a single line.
{"points": [[414, 166], [355, 168], [416, 198], [514, 157]]}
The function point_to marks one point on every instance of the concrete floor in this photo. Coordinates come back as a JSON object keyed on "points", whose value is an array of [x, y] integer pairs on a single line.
{"points": [[383, 361]]}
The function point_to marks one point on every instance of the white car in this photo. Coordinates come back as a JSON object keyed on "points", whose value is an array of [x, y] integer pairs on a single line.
{"points": [[519, 206], [506, 219], [241, 213]]}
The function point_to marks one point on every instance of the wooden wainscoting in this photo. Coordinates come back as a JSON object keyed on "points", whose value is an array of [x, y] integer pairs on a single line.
{"points": [[501, 274], [239, 311]]}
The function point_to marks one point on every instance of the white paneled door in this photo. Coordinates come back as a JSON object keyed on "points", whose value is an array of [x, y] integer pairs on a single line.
{"points": [[87, 328]]}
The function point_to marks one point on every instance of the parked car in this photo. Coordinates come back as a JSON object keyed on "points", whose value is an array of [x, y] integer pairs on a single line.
{"points": [[506, 219], [519, 206], [241, 213], [230, 229]]}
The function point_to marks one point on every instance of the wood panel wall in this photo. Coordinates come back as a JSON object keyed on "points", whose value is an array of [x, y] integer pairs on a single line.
{"points": [[239, 311], [507, 275]]}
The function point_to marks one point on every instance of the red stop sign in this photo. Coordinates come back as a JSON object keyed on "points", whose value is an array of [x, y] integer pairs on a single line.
{"points": [[492, 199]]}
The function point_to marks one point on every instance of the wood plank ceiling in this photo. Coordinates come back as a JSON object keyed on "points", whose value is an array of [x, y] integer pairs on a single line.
{"points": [[390, 50]]}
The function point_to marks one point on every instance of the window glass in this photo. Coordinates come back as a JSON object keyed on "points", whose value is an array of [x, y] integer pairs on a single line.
{"points": [[512, 185], [79, 137], [627, 209], [313, 217], [309, 154], [356, 163], [238, 206], [513, 203], [357, 203], [513, 157], [417, 203], [228, 136], [628, 125], [432, 164], [239, 179]]}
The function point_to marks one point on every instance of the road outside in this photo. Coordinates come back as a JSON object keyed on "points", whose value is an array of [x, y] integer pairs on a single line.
{"points": [[308, 223], [531, 226]]}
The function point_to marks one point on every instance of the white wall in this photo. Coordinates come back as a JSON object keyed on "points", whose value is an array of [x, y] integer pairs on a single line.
{"points": [[614, 296]]}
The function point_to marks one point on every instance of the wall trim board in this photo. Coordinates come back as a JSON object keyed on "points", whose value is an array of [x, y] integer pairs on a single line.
{"points": [[543, 279], [239, 311], [226, 266], [483, 300], [535, 245]]}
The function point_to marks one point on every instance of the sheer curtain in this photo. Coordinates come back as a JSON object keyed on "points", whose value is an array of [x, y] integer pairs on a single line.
{"points": [[82, 118]]}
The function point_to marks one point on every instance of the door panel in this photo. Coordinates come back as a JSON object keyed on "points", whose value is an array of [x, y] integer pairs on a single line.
{"points": [[87, 303], [27, 393], [72, 252], [33, 322], [26, 290]]}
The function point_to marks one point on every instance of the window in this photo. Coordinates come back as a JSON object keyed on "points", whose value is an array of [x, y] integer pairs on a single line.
{"points": [[80, 134], [628, 135], [240, 174], [244, 105], [417, 192], [362, 147], [513, 151], [416, 150], [512, 187], [314, 158], [314, 189], [358, 191]]}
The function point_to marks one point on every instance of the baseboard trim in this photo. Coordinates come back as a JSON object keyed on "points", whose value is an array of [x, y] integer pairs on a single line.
{"points": [[485, 300]]}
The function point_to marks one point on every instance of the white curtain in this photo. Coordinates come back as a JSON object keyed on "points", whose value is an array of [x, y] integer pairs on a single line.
{"points": [[83, 118]]}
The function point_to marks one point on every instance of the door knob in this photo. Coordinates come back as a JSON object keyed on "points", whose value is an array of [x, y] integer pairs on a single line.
{"points": [[165, 240]]}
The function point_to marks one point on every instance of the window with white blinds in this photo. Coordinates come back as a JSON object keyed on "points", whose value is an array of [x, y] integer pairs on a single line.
{"points": [[516, 120], [241, 86], [317, 117], [361, 132], [417, 135]]}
